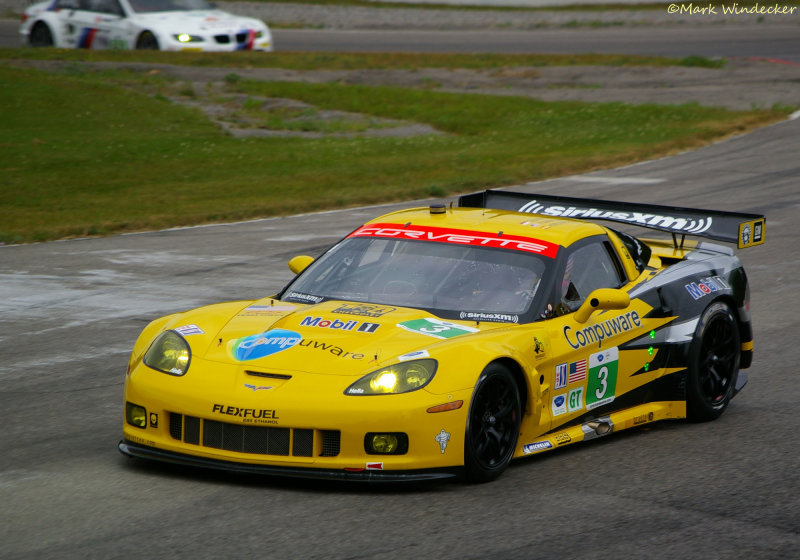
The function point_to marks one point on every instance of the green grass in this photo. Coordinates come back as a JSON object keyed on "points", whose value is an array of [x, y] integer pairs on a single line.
{"points": [[92, 154], [349, 61]]}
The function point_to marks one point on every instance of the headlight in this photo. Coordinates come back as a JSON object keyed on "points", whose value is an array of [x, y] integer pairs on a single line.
{"points": [[398, 378], [169, 353], [186, 38]]}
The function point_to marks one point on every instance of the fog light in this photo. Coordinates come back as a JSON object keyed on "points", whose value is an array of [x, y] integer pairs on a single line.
{"points": [[386, 444], [136, 415]]}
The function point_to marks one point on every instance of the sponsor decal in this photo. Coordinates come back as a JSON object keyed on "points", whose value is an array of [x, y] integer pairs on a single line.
{"points": [[706, 286], [642, 418], [305, 297], [374, 466], [458, 236], [686, 225], [335, 350], [561, 376], [186, 330], [336, 324], [264, 344], [746, 234], [153, 420], [364, 309], [538, 348], [264, 310], [491, 317], [536, 447], [248, 415], [605, 329], [575, 400], [577, 371], [562, 438], [602, 378], [758, 228], [413, 355], [436, 328], [442, 438], [559, 405], [255, 388]]}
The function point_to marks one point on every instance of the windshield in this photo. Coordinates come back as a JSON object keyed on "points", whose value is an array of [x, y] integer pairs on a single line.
{"points": [[147, 6], [450, 279]]}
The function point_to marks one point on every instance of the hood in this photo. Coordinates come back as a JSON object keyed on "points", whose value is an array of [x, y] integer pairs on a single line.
{"points": [[197, 21], [333, 337]]}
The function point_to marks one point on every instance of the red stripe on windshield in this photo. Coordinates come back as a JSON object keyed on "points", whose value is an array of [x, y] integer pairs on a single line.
{"points": [[458, 236]]}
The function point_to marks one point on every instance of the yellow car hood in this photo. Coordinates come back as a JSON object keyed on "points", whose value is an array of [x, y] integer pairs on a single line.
{"points": [[333, 337]]}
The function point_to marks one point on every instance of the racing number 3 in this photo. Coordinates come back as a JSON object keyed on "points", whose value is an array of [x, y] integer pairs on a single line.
{"points": [[602, 382]]}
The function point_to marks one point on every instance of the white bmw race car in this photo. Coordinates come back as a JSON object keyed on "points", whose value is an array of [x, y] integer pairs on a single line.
{"points": [[169, 25]]}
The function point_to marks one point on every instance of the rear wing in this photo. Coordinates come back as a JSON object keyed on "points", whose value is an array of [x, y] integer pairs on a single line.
{"points": [[744, 229]]}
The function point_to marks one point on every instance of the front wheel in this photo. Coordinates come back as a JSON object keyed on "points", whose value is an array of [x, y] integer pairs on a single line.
{"points": [[713, 363], [147, 41], [41, 36], [493, 424]]}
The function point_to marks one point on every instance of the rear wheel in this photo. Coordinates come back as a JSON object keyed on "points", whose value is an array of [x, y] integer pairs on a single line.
{"points": [[493, 424], [147, 41], [713, 363], [40, 35]]}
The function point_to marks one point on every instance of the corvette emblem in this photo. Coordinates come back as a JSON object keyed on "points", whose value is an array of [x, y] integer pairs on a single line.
{"points": [[257, 388]]}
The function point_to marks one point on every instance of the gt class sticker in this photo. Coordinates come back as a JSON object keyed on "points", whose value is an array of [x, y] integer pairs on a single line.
{"points": [[602, 381], [436, 328]]}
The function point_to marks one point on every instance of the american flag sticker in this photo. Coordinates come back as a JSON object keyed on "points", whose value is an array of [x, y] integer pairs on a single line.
{"points": [[577, 371], [561, 376]]}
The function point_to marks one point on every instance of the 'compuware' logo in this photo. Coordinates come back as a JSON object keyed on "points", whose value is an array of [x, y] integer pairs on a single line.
{"points": [[264, 344]]}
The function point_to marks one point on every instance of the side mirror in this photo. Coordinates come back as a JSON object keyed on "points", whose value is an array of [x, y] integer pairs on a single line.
{"points": [[603, 298], [299, 263]]}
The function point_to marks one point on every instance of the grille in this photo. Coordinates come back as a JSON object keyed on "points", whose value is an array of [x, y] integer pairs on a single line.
{"points": [[259, 440], [222, 39], [241, 37]]}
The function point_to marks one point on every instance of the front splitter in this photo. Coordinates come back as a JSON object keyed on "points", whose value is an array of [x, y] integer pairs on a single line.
{"points": [[130, 449]]}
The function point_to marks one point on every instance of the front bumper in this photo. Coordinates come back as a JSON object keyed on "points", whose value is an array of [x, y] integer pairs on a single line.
{"points": [[131, 449]]}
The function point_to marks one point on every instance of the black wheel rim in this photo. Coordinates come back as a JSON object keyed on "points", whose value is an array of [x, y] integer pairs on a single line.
{"points": [[493, 422], [718, 364]]}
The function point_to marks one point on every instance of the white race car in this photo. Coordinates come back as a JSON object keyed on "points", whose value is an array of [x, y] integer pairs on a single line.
{"points": [[168, 25]]}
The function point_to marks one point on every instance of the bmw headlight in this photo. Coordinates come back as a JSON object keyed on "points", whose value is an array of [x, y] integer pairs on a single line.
{"points": [[169, 353], [186, 38], [398, 378]]}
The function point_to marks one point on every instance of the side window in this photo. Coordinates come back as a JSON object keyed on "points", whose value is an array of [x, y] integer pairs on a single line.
{"points": [[588, 268]]}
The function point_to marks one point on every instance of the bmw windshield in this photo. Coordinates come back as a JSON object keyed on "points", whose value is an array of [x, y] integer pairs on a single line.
{"points": [[450, 279], [148, 6]]}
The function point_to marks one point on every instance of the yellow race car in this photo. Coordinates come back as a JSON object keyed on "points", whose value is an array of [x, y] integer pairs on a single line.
{"points": [[444, 341]]}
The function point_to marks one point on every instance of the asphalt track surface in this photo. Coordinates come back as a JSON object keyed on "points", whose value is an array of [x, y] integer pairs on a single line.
{"points": [[70, 312], [769, 41]]}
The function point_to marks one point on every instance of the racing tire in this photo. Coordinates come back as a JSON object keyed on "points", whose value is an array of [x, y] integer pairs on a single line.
{"points": [[492, 425], [40, 35], [147, 42], [714, 356]]}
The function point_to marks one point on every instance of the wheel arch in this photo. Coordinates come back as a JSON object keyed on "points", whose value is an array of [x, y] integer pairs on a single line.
{"points": [[43, 22], [744, 325], [519, 376]]}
